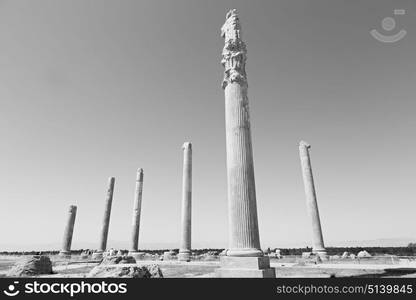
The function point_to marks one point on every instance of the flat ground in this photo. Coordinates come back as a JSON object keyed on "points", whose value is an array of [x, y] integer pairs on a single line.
{"points": [[287, 267]]}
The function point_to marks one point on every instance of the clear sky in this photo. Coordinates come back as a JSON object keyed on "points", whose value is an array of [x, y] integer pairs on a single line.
{"points": [[92, 88]]}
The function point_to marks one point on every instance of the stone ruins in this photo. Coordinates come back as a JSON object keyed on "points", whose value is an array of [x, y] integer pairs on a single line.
{"points": [[68, 232], [185, 249], [244, 257], [311, 203], [134, 250], [106, 219]]}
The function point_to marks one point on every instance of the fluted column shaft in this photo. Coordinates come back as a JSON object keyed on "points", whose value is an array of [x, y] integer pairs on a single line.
{"points": [[186, 198], [244, 257], [107, 214], [243, 225], [137, 211], [69, 230], [311, 202], [244, 232]]}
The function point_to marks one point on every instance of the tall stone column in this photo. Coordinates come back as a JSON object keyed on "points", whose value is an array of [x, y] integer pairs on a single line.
{"points": [[185, 249], [311, 203], [244, 257], [106, 220], [69, 230], [134, 250]]}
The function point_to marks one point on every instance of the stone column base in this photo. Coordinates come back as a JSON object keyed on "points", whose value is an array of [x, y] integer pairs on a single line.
{"points": [[168, 255], [65, 254], [97, 255], [322, 254], [245, 267], [184, 256], [137, 255]]}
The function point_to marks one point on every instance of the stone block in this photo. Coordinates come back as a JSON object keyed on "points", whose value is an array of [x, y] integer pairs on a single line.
{"points": [[232, 262], [184, 256], [245, 267], [137, 255]]}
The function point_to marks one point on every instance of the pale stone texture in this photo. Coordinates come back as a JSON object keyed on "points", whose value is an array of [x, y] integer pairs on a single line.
{"points": [[126, 271], [244, 241], [118, 259], [256, 267], [106, 220], [68, 232], [363, 254], [169, 255], [311, 203], [134, 251], [31, 266], [185, 249]]}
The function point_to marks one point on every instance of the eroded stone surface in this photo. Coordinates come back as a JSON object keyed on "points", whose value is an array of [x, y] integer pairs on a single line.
{"points": [[137, 207], [185, 248], [107, 214], [69, 231], [363, 254], [123, 259], [31, 266], [311, 202], [244, 237], [126, 271], [169, 255]]}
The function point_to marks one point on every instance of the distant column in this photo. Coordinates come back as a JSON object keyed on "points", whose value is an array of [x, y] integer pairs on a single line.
{"points": [[134, 250], [106, 219], [311, 203], [69, 230], [185, 249]]}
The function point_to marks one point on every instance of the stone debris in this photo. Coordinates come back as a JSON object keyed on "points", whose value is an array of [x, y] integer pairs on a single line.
{"points": [[118, 259], [209, 257], [169, 255], [318, 259], [111, 252], [84, 255], [363, 254], [31, 266], [126, 271]]}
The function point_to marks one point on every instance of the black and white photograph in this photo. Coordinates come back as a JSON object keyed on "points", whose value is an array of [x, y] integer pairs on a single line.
{"points": [[267, 145]]}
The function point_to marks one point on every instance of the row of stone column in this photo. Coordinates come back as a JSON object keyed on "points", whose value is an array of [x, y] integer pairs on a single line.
{"points": [[185, 249], [244, 257]]}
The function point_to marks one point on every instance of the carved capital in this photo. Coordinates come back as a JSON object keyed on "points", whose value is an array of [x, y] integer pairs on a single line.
{"points": [[72, 209], [139, 175], [187, 145], [234, 52], [303, 144]]}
